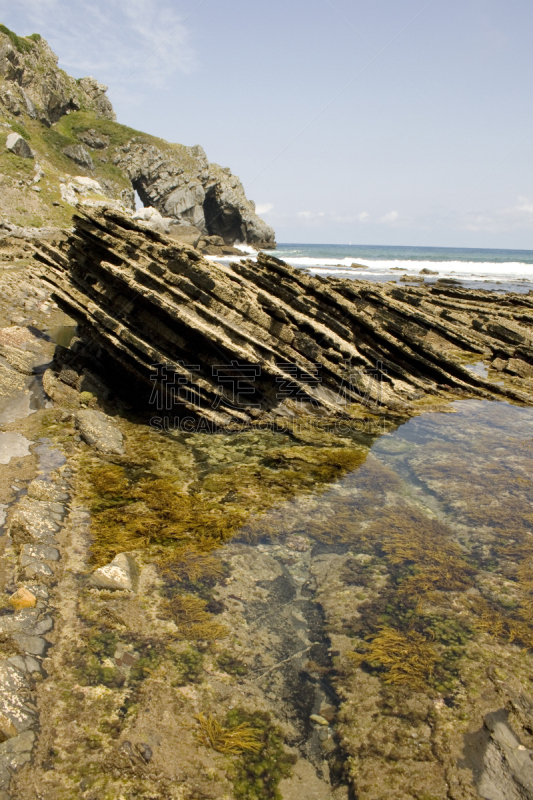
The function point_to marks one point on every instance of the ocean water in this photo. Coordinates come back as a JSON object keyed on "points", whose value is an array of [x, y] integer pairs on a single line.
{"points": [[498, 270]]}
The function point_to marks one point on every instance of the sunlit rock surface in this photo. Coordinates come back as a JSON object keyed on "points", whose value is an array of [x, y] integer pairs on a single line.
{"points": [[253, 340]]}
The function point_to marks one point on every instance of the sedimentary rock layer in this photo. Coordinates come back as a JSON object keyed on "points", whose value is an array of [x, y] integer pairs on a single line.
{"points": [[253, 340]]}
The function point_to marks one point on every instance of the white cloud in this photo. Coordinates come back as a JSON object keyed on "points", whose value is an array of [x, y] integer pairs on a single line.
{"points": [[112, 38], [312, 216], [264, 208], [390, 218], [516, 217], [364, 216]]}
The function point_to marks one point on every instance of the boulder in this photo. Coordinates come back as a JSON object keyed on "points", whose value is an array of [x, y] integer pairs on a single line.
{"points": [[98, 141], [79, 154], [18, 145], [100, 431], [151, 217], [115, 575]]}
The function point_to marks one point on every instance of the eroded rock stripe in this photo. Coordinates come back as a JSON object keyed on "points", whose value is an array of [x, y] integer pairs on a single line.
{"points": [[24, 632]]}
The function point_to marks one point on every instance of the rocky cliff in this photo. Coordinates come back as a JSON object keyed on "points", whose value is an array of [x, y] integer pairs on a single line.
{"points": [[66, 149], [255, 341], [34, 85]]}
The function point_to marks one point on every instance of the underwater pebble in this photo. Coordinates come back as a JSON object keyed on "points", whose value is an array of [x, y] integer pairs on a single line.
{"points": [[319, 720], [39, 552], [128, 749], [145, 750], [298, 543], [23, 598], [35, 568]]}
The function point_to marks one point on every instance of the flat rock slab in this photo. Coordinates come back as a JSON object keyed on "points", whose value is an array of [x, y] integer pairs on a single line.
{"points": [[100, 431], [36, 569], [17, 751], [20, 621], [15, 717], [39, 552], [42, 489], [33, 519], [33, 645], [13, 445]]}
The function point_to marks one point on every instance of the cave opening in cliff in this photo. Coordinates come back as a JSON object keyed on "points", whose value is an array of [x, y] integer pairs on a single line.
{"points": [[137, 201], [222, 220], [142, 199]]}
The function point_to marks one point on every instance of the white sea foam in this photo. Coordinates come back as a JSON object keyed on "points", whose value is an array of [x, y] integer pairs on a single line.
{"points": [[462, 270], [473, 270], [245, 248]]}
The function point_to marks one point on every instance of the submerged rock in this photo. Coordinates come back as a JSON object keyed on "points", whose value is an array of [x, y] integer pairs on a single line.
{"points": [[116, 575], [23, 598], [13, 445], [99, 430]]}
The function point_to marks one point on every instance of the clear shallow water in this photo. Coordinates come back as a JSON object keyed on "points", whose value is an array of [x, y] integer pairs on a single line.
{"points": [[393, 603], [421, 561]]}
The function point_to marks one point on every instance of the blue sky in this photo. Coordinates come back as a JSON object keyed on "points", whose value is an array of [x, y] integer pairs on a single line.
{"points": [[370, 121]]}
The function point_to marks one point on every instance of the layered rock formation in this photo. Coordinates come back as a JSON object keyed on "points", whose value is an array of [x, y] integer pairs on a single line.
{"points": [[253, 340]]}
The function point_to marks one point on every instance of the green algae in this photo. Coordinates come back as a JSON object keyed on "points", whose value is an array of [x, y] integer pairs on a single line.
{"points": [[91, 668], [256, 775], [229, 663], [190, 664]]}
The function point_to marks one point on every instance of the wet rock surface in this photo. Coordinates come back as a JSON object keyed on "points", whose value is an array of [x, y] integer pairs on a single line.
{"points": [[99, 430]]}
